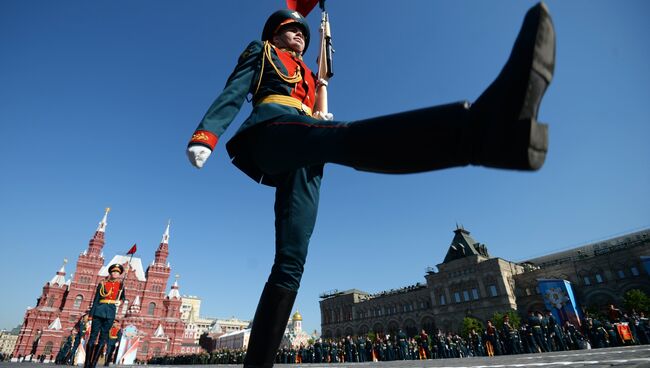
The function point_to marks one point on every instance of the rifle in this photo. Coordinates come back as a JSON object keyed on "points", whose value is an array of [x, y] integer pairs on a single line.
{"points": [[325, 70]]}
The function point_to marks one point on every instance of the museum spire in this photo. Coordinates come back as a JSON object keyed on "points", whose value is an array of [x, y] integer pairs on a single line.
{"points": [[163, 249]]}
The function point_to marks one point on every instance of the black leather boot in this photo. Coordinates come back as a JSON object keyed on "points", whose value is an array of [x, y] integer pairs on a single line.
{"points": [[505, 129], [97, 352], [269, 324], [90, 350], [499, 130]]}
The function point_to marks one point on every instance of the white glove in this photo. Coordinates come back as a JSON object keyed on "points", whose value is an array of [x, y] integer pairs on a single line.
{"points": [[118, 303], [324, 116], [198, 155]]}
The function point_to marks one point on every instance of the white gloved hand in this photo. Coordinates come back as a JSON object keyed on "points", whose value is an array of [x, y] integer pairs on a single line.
{"points": [[118, 303], [198, 155], [324, 116]]}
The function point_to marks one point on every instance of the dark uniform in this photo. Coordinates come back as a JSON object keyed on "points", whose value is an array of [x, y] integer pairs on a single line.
{"points": [[114, 336], [109, 293], [80, 327], [281, 145]]}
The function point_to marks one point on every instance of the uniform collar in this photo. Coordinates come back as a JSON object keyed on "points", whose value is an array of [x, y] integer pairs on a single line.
{"points": [[289, 51]]}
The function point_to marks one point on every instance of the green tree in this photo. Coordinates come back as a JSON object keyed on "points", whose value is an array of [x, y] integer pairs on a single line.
{"points": [[636, 299], [497, 319], [469, 324], [371, 335]]}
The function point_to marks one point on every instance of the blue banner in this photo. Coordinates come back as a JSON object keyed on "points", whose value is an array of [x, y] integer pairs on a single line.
{"points": [[560, 300]]}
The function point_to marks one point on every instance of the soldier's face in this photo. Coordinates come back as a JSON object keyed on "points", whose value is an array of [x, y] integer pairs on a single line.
{"points": [[115, 274], [290, 37]]}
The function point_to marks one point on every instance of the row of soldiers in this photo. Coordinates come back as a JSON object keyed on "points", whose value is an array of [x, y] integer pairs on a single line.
{"points": [[68, 353], [221, 356], [537, 333]]}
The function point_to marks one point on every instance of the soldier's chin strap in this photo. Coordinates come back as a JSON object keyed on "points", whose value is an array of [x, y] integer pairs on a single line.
{"points": [[325, 71]]}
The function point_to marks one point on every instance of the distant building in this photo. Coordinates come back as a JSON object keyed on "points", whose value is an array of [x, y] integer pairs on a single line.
{"points": [[294, 336], [63, 302], [197, 325], [7, 342], [470, 282], [237, 338], [600, 273], [232, 324], [234, 340]]}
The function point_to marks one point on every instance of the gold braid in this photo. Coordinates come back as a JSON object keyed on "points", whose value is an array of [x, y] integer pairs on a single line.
{"points": [[295, 78], [102, 290]]}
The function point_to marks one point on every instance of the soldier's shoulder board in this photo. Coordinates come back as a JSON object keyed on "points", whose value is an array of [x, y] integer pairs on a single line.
{"points": [[253, 48]]}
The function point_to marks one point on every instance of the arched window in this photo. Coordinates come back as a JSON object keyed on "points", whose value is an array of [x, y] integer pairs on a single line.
{"points": [[77, 301], [428, 325], [410, 328], [50, 302], [393, 327], [48, 348], [363, 330], [152, 308]]}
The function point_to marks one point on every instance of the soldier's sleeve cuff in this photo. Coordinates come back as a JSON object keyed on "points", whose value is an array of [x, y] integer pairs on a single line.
{"points": [[204, 138]]}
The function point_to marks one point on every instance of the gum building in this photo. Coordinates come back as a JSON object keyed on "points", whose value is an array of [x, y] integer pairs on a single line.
{"points": [[472, 283]]}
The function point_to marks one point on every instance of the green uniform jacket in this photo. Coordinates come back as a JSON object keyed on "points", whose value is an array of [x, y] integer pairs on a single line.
{"points": [[102, 310], [244, 80]]}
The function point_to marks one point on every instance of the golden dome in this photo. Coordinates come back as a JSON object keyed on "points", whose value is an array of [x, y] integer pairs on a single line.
{"points": [[297, 316]]}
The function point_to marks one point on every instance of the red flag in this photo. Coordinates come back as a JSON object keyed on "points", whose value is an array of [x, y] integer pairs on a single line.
{"points": [[132, 250], [302, 6]]}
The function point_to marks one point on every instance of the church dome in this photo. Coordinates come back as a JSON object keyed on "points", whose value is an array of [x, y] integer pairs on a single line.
{"points": [[297, 316]]}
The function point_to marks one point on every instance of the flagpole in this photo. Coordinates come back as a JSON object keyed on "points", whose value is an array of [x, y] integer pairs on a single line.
{"points": [[131, 252]]}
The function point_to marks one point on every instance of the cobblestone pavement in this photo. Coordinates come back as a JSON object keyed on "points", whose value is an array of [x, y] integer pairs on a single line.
{"points": [[630, 356]]}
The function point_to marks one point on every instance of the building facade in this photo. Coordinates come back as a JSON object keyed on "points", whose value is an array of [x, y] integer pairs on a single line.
{"points": [[472, 283], [294, 337], [7, 343], [197, 325], [62, 303], [600, 273]]}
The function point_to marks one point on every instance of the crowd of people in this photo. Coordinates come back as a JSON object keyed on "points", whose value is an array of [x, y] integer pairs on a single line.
{"points": [[539, 332]]}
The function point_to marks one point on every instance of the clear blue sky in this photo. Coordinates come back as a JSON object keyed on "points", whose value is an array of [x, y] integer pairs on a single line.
{"points": [[98, 100]]}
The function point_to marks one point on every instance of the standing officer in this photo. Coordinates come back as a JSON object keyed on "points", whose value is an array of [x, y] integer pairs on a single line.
{"points": [[114, 336], [80, 327], [108, 296], [510, 336], [284, 144]]}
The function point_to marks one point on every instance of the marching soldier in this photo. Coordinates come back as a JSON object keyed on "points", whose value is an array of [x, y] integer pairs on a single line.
{"points": [[114, 336], [289, 136], [108, 296], [62, 356], [80, 328]]}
